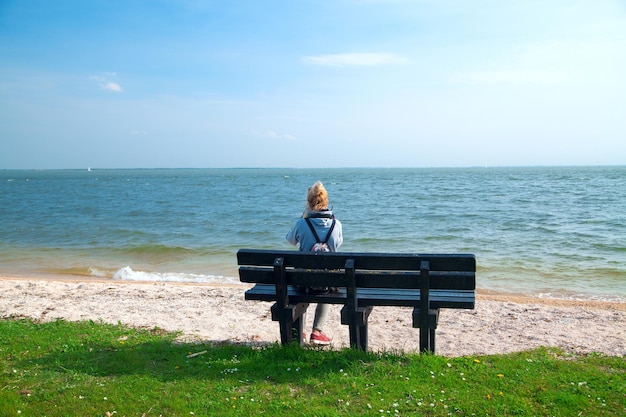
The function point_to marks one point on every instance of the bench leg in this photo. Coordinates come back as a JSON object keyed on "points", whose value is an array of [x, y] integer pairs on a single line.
{"points": [[358, 337], [427, 326], [427, 340], [432, 340], [292, 331], [363, 333], [291, 321], [357, 322]]}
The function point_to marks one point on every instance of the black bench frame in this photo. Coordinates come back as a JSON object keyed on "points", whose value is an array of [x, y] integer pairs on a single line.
{"points": [[426, 282]]}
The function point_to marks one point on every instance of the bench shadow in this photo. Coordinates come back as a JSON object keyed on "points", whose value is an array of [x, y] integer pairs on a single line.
{"points": [[167, 361]]}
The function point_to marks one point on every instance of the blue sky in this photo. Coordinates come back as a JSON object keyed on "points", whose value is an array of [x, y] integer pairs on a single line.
{"points": [[311, 83]]}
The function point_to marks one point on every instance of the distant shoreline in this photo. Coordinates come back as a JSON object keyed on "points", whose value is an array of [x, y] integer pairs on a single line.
{"points": [[92, 169]]}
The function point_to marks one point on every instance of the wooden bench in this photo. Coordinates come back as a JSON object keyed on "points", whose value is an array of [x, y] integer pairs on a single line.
{"points": [[364, 280]]}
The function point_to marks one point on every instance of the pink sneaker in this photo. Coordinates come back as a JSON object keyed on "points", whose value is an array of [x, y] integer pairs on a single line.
{"points": [[320, 339]]}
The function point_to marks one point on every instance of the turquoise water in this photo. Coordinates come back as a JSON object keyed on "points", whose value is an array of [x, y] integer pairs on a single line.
{"points": [[544, 231]]}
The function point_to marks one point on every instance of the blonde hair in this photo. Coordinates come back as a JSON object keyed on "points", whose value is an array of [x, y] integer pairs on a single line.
{"points": [[317, 197]]}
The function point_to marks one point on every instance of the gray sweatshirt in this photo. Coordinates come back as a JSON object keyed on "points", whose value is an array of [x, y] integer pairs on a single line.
{"points": [[300, 234]]}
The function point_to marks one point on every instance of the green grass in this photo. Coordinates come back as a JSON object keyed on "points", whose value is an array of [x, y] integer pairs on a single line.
{"points": [[94, 369]]}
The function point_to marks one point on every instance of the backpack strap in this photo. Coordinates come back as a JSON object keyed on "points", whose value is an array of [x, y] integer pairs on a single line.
{"points": [[330, 232], [317, 238]]}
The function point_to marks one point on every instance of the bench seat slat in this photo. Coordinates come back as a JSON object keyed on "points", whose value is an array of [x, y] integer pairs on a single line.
{"points": [[463, 299]]}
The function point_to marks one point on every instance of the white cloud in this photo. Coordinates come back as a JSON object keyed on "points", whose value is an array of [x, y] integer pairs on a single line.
{"points": [[270, 134], [105, 82], [109, 86], [354, 59]]}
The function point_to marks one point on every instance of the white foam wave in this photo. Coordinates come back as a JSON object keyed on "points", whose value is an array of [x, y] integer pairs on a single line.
{"points": [[97, 272], [128, 274]]}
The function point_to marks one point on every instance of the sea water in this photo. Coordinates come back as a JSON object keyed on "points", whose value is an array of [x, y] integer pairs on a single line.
{"points": [[542, 231]]}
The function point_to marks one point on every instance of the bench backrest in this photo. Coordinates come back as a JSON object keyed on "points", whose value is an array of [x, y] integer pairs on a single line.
{"points": [[371, 270]]}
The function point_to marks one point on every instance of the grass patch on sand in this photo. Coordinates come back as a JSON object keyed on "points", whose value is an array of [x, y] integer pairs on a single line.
{"points": [[93, 369]]}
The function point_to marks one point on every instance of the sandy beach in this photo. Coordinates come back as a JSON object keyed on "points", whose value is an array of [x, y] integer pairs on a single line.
{"points": [[217, 313]]}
